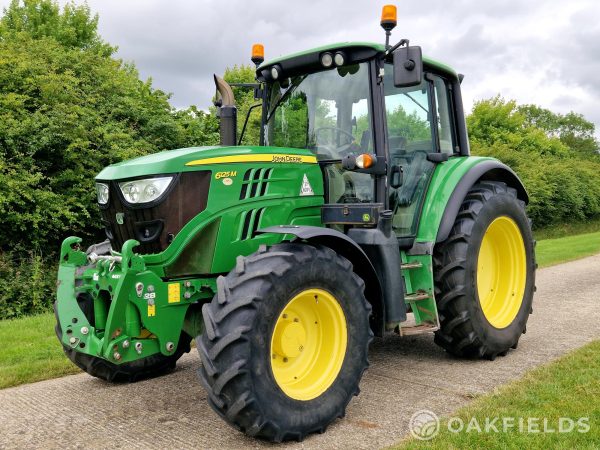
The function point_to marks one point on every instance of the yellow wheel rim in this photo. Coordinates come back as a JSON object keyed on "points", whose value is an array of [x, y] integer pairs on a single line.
{"points": [[308, 344], [501, 272]]}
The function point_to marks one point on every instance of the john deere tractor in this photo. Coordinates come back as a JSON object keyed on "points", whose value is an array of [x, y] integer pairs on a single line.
{"points": [[360, 213]]}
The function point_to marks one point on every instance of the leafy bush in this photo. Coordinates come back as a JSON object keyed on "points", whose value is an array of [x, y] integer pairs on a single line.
{"points": [[559, 164], [67, 109], [27, 284]]}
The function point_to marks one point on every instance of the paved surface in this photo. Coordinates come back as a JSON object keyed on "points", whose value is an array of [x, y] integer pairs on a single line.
{"points": [[406, 375]]}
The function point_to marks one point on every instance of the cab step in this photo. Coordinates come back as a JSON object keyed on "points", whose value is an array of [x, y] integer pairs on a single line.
{"points": [[419, 295], [411, 265], [417, 329]]}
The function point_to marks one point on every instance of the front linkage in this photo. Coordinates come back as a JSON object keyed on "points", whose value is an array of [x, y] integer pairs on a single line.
{"points": [[114, 308]]}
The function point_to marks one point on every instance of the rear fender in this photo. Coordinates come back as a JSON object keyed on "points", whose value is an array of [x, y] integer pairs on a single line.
{"points": [[448, 188], [490, 170]]}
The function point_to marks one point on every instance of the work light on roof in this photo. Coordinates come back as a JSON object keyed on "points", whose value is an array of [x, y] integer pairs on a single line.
{"points": [[274, 72], [327, 59]]}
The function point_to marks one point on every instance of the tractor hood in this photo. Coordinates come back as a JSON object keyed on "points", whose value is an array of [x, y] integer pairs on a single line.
{"points": [[189, 159]]}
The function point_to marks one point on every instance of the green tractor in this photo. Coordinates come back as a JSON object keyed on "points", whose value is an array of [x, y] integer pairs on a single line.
{"points": [[360, 213]]}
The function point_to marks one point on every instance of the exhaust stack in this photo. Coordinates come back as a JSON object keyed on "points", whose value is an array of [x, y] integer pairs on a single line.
{"points": [[226, 112]]}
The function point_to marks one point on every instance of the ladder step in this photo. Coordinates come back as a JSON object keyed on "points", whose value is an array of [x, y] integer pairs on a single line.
{"points": [[418, 329], [417, 296], [411, 265]]}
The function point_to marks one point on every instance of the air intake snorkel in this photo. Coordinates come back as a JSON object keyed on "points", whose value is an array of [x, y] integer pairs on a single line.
{"points": [[226, 112]]}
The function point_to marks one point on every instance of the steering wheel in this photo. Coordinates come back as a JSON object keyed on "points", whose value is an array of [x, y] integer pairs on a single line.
{"points": [[334, 131]]}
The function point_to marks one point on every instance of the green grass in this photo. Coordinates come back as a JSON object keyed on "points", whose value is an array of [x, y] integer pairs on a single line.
{"points": [[568, 387], [555, 251], [30, 351]]}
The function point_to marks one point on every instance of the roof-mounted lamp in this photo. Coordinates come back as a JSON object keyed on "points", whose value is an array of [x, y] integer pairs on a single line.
{"points": [[389, 20], [258, 54]]}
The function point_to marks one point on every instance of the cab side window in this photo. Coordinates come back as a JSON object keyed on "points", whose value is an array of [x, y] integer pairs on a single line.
{"points": [[445, 128]]}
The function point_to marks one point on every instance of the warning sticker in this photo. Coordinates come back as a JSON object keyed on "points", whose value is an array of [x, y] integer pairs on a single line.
{"points": [[174, 293], [306, 188], [151, 310]]}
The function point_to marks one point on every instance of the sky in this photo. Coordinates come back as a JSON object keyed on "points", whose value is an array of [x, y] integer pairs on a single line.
{"points": [[545, 52]]}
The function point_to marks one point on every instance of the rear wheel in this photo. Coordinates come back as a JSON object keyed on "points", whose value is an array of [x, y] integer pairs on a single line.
{"points": [[286, 341], [485, 274]]}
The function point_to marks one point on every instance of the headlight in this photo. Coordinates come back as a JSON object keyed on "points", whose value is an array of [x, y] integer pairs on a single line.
{"points": [[102, 192], [144, 191]]}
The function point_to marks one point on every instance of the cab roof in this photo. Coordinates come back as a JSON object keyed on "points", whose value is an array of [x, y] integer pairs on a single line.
{"points": [[368, 47]]}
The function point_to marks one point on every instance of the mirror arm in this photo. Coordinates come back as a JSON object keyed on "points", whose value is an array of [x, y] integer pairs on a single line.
{"points": [[399, 44]]}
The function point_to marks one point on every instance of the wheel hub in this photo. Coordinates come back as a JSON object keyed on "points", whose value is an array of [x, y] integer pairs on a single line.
{"points": [[501, 272], [290, 339], [308, 344]]}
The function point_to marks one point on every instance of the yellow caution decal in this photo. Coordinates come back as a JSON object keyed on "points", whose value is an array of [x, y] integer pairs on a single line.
{"points": [[151, 310], [174, 293], [263, 157]]}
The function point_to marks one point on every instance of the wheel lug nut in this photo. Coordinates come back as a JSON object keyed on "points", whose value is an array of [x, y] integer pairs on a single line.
{"points": [[285, 360], [117, 356], [284, 316], [296, 320], [85, 330]]}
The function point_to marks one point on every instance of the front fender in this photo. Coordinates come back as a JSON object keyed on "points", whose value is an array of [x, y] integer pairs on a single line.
{"points": [[350, 250]]}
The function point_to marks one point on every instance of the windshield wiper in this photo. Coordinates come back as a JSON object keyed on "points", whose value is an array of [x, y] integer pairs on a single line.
{"points": [[416, 102], [285, 95]]}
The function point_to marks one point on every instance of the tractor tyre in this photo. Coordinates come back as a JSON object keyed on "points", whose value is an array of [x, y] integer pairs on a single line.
{"points": [[485, 274], [286, 341], [149, 367]]}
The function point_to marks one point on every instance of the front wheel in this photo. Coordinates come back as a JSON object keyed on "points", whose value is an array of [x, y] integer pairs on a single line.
{"points": [[485, 274], [285, 342]]}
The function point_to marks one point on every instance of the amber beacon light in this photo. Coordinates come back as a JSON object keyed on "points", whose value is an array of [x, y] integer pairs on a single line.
{"points": [[258, 54], [389, 17]]}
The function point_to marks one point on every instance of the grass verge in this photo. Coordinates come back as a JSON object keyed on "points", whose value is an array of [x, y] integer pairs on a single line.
{"points": [[555, 251], [30, 351], [567, 388]]}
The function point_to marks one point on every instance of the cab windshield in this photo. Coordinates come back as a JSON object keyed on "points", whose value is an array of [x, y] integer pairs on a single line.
{"points": [[327, 112]]}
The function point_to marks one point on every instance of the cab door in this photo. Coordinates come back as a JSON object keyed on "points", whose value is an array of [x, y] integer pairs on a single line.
{"points": [[418, 124]]}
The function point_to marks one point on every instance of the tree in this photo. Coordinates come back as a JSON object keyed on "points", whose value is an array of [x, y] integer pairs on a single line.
{"points": [[68, 109], [572, 129], [563, 186], [74, 27]]}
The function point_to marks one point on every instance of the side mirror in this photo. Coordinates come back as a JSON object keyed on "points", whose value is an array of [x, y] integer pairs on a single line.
{"points": [[396, 177], [408, 66]]}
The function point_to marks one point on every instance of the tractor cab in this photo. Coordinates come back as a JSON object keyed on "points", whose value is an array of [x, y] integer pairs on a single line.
{"points": [[376, 136]]}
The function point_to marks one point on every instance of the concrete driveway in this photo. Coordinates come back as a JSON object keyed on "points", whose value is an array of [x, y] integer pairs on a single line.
{"points": [[406, 375]]}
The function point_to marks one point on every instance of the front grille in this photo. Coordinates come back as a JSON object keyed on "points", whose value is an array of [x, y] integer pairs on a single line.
{"points": [[155, 226]]}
